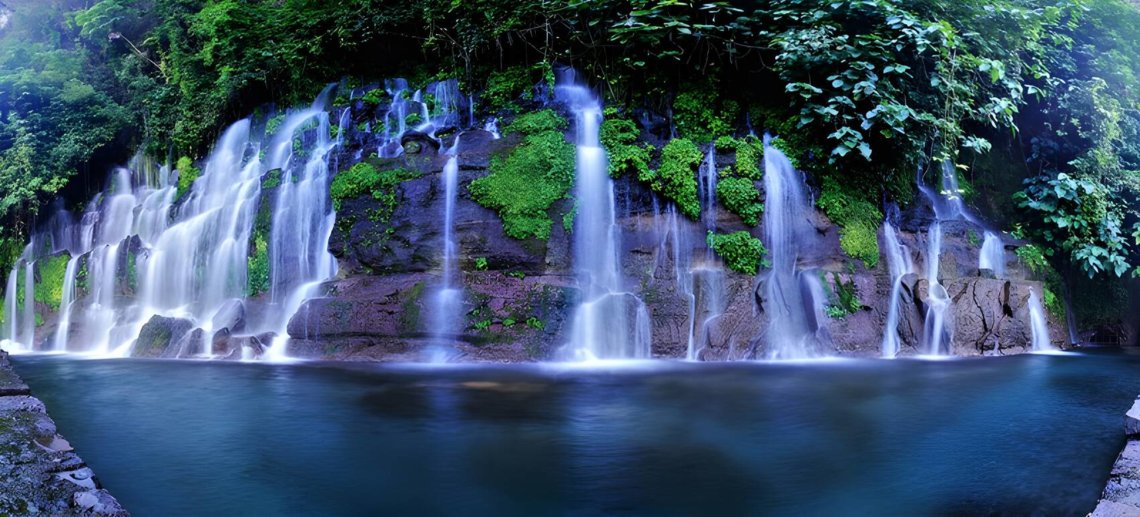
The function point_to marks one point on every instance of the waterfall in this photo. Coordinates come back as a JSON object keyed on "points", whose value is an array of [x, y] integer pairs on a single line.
{"points": [[992, 255], [793, 298], [608, 322], [29, 324], [447, 297], [706, 276], [59, 344], [492, 126], [303, 220], [900, 264], [1038, 325], [937, 336], [938, 332], [11, 316]]}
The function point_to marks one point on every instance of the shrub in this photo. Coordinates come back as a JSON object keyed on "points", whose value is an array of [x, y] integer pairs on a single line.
{"points": [[49, 288], [187, 174], [858, 222], [697, 115], [676, 179], [741, 251], [741, 197], [363, 178], [536, 122], [625, 155], [257, 276], [749, 155], [844, 300]]}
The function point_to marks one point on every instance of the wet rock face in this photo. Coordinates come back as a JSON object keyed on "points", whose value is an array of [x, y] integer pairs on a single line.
{"points": [[505, 319], [41, 474], [158, 334]]}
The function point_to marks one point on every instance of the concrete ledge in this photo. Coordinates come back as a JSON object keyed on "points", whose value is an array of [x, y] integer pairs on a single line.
{"points": [[39, 472]]}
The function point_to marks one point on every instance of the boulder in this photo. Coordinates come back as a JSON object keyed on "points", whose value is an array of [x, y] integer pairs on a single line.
{"points": [[231, 316], [157, 335]]}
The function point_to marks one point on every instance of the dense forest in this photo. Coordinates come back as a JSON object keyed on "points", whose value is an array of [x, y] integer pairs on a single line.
{"points": [[1035, 102]]}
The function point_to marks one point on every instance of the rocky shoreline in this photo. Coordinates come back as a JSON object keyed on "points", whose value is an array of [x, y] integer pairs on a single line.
{"points": [[1121, 496], [39, 471]]}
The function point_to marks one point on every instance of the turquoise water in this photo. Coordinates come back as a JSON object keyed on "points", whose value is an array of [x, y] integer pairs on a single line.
{"points": [[1015, 435]]}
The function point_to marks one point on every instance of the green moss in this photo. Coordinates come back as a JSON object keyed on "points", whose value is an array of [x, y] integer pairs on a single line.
{"points": [[49, 287], [843, 298], [187, 174], [972, 238], [741, 197], [524, 184], [274, 124], [272, 179], [626, 156], [741, 251], [676, 179], [410, 313], [698, 116], [257, 277], [363, 178], [858, 221], [536, 122]]}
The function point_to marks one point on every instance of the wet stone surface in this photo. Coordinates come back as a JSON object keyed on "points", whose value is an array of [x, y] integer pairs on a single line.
{"points": [[40, 474]]}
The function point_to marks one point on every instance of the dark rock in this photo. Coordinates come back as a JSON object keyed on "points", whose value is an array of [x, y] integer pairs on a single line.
{"points": [[158, 334], [230, 317]]}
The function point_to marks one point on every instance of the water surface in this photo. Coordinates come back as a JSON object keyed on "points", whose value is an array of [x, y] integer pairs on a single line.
{"points": [[906, 437]]}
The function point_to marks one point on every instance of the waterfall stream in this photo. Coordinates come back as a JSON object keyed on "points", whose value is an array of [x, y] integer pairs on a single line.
{"points": [[609, 322]]}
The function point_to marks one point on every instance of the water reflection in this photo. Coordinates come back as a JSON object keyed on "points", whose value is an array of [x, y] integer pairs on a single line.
{"points": [[850, 437]]}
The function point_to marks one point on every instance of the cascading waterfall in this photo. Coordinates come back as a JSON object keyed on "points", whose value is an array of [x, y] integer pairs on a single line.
{"points": [[992, 255], [608, 323], [900, 264], [303, 220], [492, 126], [706, 276], [187, 259], [1039, 326], [793, 298], [410, 110], [447, 297], [11, 316], [59, 344], [938, 333], [28, 338]]}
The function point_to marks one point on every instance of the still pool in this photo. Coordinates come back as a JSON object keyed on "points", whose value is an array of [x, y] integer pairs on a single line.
{"points": [[1017, 435]]}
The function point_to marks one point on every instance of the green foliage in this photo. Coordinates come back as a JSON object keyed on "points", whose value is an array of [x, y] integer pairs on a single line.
{"points": [[676, 178], [701, 115], [524, 184], [625, 154], [741, 197], [1076, 216], [272, 179], [536, 122], [257, 276], [844, 298], [535, 323], [749, 158], [187, 175], [375, 97], [480, 263], [972, 238], [858, 221], [725, 144], [507, 86], [49, 285], [741, 251], [1033, 258], [363, 178]]}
